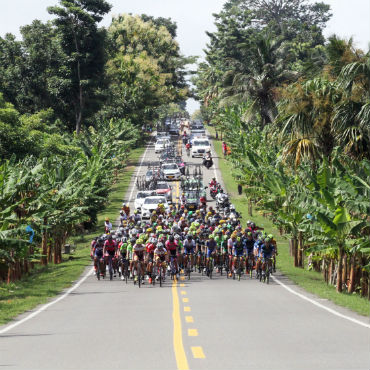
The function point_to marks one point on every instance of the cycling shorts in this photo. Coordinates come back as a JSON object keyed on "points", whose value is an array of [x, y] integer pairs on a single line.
{"points": [[173, 252], [238, 253], [111, 252], [162, 258], [99, 254], [209, 252], [189, 251], [140, 256], [150, 257], [266, 256]]}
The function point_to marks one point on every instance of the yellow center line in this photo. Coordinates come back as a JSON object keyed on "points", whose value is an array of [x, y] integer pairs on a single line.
{"points": [[198, 352], [182, 285], [183, 292], [189, 319], [181, 360], [187, 309], [192, 332], [185, 300]]}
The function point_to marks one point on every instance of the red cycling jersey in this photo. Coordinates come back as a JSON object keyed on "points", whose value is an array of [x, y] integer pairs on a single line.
{"points": [[171, 245]]}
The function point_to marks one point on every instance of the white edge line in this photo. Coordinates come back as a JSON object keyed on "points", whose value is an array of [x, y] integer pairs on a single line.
{"points": [[74, 287], [47, 305], [138, 171], [336, 313]]}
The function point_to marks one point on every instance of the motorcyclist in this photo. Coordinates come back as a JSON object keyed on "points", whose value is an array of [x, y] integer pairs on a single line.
{"points": [[207, 159]]}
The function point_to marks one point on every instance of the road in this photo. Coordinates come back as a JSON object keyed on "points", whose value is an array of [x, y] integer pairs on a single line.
{"points": [[196, 324]]}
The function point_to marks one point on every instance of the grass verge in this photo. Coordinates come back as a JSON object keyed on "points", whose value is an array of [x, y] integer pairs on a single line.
{"points": [[311, 281], [46, 282]]}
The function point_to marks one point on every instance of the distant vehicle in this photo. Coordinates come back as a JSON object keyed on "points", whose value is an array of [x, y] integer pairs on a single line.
{"points": [[174, 130], [151, 203], [199, 132], [164, 189], [171, 171], [140, 197], [161, 144], [199, 147]]}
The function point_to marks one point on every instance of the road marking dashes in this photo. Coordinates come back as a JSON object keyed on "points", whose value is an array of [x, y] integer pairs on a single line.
{"points": [[198, 352], [192, 332]]}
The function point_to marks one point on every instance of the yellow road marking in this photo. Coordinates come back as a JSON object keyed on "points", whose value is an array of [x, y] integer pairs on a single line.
{"points": [[198, 352], [181, 360], [185, 300], [183, 292], [189, 319], [182, 285], [187, 309], [182, 277], [192, 332]]}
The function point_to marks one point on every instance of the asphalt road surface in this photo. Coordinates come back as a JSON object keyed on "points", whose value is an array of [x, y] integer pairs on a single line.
{"points": [[195, 324]]}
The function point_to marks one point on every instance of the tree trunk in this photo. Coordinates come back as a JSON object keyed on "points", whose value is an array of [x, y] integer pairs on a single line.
{"points": [[295, 252], [352, 275], [300, 249], [344, 275], [290, 247], [340, 269], [44, 244]]}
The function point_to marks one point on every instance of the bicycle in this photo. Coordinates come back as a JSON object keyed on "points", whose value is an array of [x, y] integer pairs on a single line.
{"points": [[187, 265], [138, 274], [239, 270], [110, 266], [172, 267], [125, 269], [210, 266], [250, 265], [267, 271]]}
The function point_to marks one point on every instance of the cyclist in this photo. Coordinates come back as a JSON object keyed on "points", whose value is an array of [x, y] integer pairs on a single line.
{"points": [[211, 249], [160, 254], [150, 247], [98, 253], [189, 246], [267, 252], [107, 226], [171, 247], [238, 252], [110, 250], [138, 257], [249, 244]]}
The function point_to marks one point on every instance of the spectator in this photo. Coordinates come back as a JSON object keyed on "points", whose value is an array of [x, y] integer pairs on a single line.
{"points": [[224, 148]]}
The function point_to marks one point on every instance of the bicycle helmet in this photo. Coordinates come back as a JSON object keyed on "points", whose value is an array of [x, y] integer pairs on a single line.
{"points": [[171, 238], [160, 245]]}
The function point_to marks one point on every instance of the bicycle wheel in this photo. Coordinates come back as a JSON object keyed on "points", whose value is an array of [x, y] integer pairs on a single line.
{"points": [[139, 274], [160, 276]]}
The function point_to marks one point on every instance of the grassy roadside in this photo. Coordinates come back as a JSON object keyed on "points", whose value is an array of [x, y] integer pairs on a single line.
{"points": [[46, 282], [311, 281]]}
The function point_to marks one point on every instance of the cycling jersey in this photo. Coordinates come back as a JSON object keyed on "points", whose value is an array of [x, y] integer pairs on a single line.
{"points": [[171, 247], [98, 251], [238, 249], [110, 247], [267, 250], [249, 244]]}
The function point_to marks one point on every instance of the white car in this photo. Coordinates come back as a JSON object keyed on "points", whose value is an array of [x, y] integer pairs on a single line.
{"points": [[171, 171], [140, 197], [161, 144], [151, 203], [199, 147]]}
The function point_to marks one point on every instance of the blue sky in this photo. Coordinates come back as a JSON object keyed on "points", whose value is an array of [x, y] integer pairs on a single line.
{"points": [[351, 18]]}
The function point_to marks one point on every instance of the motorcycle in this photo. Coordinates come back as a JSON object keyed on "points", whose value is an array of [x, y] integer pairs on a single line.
{"points": [[213, 191], [208, 162], [222, 201]]}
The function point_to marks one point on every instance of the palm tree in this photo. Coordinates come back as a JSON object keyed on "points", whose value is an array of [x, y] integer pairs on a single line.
{"points": [[257, 75]]}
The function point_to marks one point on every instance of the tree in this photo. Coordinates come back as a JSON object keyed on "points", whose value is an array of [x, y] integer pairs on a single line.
{"points": [[83, 44]]}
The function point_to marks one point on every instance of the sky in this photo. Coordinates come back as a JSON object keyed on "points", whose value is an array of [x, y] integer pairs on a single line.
{"points": [[351, 18]]}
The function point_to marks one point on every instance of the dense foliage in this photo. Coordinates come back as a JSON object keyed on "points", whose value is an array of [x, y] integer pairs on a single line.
{"points": [[74, 98], [294, 109]]}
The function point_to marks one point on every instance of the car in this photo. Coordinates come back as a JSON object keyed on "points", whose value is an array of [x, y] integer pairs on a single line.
{"points": [[199, 132], [162, 188], [171, 171], [161, 144], [153, 173], [150, 204], [173, 130], [163, 135], [141, 196], [192, 199], [199, 147]]}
